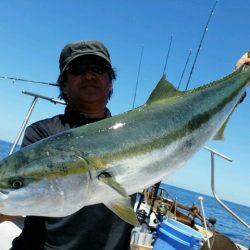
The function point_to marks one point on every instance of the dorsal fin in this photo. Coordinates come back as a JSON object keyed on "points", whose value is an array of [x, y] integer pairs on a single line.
{"points": [[163, 90]]}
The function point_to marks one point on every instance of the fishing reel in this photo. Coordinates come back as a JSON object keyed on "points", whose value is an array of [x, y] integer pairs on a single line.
{"points": [[161, 212], [141, 216]]}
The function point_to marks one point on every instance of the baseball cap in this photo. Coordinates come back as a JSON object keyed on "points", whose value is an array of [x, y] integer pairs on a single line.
{"points": [[74, 50]]}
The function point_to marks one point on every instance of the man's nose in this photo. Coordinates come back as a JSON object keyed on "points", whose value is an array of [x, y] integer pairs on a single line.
{"points": [[88, 75]]}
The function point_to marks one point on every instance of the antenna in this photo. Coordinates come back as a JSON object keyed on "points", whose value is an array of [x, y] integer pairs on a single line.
{"points": [[202, 38], [169, 47], [25, 80], [138, 74]]}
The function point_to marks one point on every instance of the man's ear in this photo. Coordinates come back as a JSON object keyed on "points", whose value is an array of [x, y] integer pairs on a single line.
{"points": [[64, 88], [111, 86]]}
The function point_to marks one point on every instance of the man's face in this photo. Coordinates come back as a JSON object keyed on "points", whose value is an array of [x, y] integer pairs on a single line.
{"points": [[88, 82]]}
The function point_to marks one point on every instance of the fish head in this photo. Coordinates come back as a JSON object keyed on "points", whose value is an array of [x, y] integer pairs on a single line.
{"points": [[46, 185]]}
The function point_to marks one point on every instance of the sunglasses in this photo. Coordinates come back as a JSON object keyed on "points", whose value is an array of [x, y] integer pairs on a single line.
{"points": [[84, 68]]}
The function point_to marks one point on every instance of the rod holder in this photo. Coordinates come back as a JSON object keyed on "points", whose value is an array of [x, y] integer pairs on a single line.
{"points": [[26, 119], [213, 153]]}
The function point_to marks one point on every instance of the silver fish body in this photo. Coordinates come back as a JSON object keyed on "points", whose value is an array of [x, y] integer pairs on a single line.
{"points": [[105, 161]]}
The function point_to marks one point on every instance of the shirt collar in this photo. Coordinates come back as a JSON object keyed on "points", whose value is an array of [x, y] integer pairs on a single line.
{"points": [[77, 119]]}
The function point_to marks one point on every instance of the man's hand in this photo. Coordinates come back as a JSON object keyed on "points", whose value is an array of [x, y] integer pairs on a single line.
{"points": [[245, 59]]}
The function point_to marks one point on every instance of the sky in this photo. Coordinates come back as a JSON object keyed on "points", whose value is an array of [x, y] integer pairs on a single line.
{"points": [[34, 32]]}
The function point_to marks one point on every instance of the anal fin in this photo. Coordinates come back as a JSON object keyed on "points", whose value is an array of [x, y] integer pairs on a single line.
{"points": [[123, 209]]}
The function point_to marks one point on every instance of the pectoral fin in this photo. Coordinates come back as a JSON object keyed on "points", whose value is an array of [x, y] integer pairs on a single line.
{"points": [[123, 209], [109, 180]]}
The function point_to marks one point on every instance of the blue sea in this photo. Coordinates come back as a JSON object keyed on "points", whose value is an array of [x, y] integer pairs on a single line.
{"points": [[225, 223]]}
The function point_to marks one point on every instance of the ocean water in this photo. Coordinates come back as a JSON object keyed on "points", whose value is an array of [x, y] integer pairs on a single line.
{"points": [[225, 223], [5, 148]]}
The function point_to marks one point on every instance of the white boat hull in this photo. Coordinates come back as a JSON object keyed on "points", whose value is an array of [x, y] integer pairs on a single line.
{"points": [[8, 231]]}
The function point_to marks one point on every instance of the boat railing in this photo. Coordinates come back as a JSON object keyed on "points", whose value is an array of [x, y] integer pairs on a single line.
{"points": [[213, 153], [31, 108]]}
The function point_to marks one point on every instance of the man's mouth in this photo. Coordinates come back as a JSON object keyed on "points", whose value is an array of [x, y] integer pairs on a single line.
{"points": [[84, 86]]}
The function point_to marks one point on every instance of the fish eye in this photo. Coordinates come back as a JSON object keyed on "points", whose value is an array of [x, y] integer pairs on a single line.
{"points": [[16, 182]]}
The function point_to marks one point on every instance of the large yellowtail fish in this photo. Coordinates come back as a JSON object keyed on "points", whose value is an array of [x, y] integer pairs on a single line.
{"points": [[106, 161]]}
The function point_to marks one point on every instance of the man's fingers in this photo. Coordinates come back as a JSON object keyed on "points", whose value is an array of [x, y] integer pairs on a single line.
{"points": [[243, 60]]}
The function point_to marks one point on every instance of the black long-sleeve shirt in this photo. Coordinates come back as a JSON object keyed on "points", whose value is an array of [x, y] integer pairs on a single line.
{"points": [[93, 227]]}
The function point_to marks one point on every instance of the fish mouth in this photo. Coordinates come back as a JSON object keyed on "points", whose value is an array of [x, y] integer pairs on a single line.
{"points": [[3, 195]]}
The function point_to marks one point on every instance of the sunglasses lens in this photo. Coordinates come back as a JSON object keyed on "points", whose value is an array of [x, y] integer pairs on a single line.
{"points": [[84, 68], [99, 69], [77, 70]]}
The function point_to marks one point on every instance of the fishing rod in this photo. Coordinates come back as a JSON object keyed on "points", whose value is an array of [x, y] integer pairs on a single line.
{"points": [[14, 79], [169, 48], [138, 74], [157, 185], [189, 54], [202, 38]]}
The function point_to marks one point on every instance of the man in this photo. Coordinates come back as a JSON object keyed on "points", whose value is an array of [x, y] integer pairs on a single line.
{"points": [[85, 82]]}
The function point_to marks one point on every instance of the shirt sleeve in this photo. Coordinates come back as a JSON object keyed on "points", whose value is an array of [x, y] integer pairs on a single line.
{"points": [[34, 133]]}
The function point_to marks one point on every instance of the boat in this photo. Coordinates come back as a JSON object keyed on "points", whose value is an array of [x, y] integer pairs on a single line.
{"points": [[167, 224], [8, 231]]}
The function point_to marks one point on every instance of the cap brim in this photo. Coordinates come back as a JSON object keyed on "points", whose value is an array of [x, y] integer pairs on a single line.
{"points": [[86, 54]]}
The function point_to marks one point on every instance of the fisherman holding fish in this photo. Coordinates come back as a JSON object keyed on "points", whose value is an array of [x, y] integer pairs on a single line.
{"points": [[85, 83]]}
